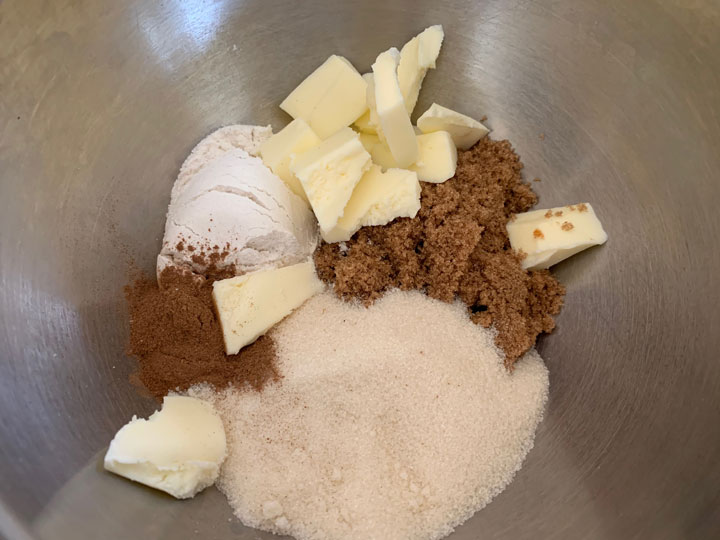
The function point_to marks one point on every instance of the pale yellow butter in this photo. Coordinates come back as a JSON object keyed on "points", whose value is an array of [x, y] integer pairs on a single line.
{"points": [[331, 97], [178, 449], [369, 122], [546, 237], [374, 124], [416, 57], [465, 131], [394, 120], [329, 173], [382, 156], [379, 198], [363, 124], [437, 157], [388, 195], [277, 151], [251, 304], [368, 140]]}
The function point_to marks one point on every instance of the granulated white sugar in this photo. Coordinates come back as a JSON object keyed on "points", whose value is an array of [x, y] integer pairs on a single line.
{"points": [[393, 422]]}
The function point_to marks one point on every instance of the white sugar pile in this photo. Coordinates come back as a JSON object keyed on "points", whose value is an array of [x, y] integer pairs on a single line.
{"points": [[397, 421]]}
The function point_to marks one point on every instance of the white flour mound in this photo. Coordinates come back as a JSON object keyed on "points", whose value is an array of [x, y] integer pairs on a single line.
{"points": [[219, 142], [393, 422], [226, 201]]}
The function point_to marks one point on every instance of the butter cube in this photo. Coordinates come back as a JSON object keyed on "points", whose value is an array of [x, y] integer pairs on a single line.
{"points": [[464, 130], [251, 304], [369, 122], [379, 198], [178, 449], [416, 57], [331, 97], [546, 237], [329, 173], [437, 157], [394, 120], [277, 151]]}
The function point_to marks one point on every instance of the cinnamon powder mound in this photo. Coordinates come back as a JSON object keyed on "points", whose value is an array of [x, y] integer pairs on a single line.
{"points": [[178, 342], [457, 247]]}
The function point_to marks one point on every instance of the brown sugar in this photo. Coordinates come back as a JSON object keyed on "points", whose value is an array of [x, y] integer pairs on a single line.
{"points": [[567, 226], [178, 342], [537, 233], [457, 246]]}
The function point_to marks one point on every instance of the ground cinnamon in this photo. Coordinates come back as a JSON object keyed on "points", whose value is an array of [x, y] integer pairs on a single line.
{"points": [[177, 339], [457, 246]]}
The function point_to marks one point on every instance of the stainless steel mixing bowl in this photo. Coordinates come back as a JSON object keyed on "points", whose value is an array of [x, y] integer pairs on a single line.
{"points": [[608, 101]]}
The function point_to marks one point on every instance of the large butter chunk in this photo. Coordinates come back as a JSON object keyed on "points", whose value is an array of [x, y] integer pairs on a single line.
{"points": [[418, 56], [379, 198], [546, 237], [394, 120], [179, 449], [277, 151], [464, 130], [437, 157], [331, 97], [329, 172], [249, 305]]}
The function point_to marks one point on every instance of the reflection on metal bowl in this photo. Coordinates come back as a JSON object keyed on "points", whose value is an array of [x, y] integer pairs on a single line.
{"points": [[615, 103]]}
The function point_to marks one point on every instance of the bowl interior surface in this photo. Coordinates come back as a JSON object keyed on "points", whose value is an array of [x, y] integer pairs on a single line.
{"points": [[615, 103]]}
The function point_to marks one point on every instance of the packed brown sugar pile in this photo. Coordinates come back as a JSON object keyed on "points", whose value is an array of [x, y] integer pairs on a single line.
{"points": [[457, 247]]}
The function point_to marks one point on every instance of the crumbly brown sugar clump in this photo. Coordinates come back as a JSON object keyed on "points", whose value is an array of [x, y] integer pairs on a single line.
{"points": [[178, 342], [457, 247]]}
